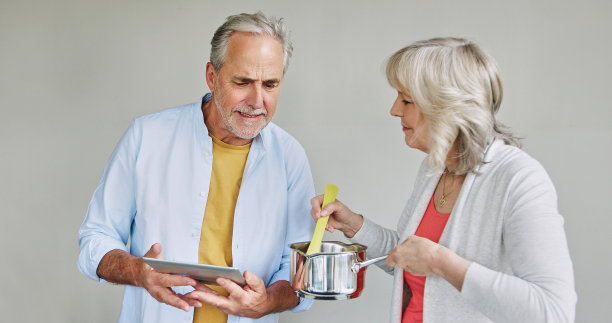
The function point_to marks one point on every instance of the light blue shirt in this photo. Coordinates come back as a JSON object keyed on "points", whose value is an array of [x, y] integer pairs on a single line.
{"points": [[154, 189]]}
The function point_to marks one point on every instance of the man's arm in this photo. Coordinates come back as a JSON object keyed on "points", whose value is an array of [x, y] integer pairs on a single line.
{"points": [[120, 267], [282, 296]]}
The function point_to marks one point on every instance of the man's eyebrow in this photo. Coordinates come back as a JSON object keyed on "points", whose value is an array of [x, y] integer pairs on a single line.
{"points": [[244, 79]]}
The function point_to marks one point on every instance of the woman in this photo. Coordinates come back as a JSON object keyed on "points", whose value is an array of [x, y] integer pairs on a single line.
{"points": [[481, 238]]}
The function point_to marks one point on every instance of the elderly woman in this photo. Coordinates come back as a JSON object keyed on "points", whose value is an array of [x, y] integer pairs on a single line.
{"points": [[481, 238]]}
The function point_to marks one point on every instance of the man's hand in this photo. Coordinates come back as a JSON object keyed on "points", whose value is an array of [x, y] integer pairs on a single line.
{"points": [[159, 284], [253, 300], [120, 267]]}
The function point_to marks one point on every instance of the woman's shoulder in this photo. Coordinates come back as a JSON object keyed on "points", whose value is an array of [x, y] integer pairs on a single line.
{"points": [[510, 164], [500, 154]]}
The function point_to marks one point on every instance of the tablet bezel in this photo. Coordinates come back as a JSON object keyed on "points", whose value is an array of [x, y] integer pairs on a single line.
{"points": [[200, 272]]}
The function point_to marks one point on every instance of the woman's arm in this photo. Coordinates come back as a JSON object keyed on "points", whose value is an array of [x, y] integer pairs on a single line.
{"points": [[421, 256], [380, 241], [541, 288]]}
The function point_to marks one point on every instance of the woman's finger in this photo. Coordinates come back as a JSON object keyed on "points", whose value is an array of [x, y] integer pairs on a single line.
{"points": [[316, 202], [335, 206]]}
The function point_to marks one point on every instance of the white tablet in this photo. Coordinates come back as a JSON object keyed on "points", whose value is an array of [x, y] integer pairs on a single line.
{"points": [[204, 273]]}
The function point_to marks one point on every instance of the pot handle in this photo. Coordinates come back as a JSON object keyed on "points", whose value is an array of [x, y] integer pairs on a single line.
{"points": [[358, 265]]}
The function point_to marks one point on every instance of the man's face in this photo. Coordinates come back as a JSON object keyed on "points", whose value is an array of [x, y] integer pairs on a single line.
{"points": [[245, 89]]}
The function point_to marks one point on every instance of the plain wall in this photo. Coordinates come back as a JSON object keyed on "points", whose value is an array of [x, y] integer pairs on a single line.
{"points": [[73, 74]]}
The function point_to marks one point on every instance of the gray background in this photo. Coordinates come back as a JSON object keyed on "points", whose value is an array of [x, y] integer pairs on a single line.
{"points": [[73, 74]]}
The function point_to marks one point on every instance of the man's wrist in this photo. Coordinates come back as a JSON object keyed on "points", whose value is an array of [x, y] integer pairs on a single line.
{"points": [[120, 267], [281, 297]]}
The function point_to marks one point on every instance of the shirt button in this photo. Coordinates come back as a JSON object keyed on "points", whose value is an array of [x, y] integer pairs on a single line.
{"points": [[202, 194], [207, 154], [187, 318], [195, 234]]}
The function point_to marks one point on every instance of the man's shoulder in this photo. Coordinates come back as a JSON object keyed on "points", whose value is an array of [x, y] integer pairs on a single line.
{"points": [[169, 115], [274, 135]]}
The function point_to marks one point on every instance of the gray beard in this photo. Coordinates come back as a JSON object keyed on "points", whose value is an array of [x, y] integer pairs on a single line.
{"points": [[227, 121]]}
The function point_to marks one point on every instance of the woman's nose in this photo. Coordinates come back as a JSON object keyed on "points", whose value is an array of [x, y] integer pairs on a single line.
{"points": [[395, 111]]}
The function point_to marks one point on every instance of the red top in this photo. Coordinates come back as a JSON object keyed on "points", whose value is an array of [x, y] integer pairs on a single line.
{"points": [[431, 227]]}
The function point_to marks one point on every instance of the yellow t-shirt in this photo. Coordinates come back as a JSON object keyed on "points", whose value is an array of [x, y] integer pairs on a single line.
{"points": [[216, 238]]}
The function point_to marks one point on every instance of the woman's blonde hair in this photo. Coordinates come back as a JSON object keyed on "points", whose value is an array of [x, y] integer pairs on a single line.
{"points": [[457, 87]]}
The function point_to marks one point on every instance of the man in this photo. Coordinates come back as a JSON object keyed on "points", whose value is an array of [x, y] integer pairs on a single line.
{"points": [[211, 182]]}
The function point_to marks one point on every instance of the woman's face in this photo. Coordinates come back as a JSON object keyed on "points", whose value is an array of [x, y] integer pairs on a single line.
{"points": [[413, 123]]}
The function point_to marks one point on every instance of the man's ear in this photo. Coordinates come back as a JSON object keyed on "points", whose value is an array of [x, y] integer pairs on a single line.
{"points": [[210, 76]]}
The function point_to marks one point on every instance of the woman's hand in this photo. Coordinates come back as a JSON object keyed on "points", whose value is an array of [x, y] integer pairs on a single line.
{"points": [[415, 255], [340, 217], [421, 256]]}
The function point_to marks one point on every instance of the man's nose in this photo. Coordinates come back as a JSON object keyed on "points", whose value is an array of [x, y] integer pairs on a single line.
{"points": [[255, 98]]}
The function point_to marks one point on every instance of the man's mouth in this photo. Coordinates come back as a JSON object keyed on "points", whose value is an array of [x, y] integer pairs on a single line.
{"points": [[248, 115], [251, 113]]}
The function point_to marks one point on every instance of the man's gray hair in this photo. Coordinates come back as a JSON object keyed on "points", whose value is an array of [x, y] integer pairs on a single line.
{"points": [[457, 87], [256, 23]]}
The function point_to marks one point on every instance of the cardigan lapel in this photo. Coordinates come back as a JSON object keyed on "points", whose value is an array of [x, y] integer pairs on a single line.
{"points": [[421, 200], [455, 222]]}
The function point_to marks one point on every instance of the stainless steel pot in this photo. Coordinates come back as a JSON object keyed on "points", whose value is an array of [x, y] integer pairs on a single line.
{"points": [[337, 272]]}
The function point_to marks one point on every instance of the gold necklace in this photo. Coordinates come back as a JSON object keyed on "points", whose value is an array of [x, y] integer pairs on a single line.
{"points": [[442, 200]]}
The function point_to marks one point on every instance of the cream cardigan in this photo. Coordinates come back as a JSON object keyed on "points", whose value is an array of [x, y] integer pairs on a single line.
{"points": [[506, 222]]}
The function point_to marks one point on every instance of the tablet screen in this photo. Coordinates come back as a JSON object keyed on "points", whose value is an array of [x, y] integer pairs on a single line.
{"points": [[204, 273]]}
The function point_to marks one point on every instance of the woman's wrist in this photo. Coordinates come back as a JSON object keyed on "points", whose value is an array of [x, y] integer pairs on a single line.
{"points": [[353, 226], [449, 266]]}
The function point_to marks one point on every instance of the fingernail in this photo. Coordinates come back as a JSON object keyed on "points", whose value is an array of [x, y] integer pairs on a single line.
{"points": [[324, 213]]}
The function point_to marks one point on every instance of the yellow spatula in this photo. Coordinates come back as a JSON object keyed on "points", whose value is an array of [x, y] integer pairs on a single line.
{"points": [[331, 191]]}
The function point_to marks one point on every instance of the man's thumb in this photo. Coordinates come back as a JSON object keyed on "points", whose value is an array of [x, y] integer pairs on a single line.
{"points": [[155, 251], [254, 282]]}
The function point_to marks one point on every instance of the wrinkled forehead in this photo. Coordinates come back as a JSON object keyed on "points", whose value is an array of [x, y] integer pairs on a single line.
{"points": [[253, 53]]}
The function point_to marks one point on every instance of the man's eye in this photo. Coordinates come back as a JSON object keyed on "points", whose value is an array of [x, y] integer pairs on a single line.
{"points": [[270, 85]]}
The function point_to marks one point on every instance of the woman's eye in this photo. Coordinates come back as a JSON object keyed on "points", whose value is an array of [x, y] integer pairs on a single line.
{"points": [[406, 102]]}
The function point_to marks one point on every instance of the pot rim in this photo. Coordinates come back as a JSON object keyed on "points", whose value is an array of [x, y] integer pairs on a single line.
{"points": [[298, 246]]}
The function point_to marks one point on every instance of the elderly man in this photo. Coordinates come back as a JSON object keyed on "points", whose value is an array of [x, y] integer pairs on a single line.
{"points": [[211, 182]]}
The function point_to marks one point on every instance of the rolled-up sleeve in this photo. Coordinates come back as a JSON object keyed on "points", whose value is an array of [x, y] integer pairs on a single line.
{"points": [[112, 207]]}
